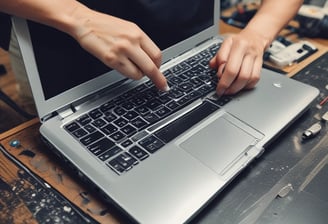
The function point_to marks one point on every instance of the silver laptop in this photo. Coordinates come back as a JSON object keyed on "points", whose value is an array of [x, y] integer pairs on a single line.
{"points": [[161, 157]]}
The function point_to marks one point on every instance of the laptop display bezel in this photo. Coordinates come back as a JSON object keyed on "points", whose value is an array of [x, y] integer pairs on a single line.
{"points": [[47, 107]]}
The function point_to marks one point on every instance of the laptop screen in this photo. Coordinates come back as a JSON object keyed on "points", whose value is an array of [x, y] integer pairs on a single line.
{"points": [[62, 64]]}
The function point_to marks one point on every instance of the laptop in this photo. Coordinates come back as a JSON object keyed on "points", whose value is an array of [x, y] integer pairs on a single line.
{"points": [[161, 157]]}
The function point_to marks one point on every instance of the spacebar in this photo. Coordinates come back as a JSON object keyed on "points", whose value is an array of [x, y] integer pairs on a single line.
{"points": [[177, 127]]}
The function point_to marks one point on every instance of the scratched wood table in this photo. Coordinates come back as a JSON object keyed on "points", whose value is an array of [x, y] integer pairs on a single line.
{"points": [[30, 181]]}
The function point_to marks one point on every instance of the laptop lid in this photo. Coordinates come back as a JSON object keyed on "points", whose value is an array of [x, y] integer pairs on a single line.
{"points": [[48, 100]]}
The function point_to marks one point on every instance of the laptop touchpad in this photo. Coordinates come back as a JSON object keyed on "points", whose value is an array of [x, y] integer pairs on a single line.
{"points": [[220, 142]]}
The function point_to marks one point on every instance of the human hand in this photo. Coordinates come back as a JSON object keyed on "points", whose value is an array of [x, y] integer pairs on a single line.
{"points": [[239, 61], [121, 45]]}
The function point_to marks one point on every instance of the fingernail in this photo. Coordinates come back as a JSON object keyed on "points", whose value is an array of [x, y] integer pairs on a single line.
{"points": [[166, 88]]}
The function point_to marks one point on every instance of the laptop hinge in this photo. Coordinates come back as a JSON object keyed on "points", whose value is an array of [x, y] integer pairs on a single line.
{"points": [[66, 112]]}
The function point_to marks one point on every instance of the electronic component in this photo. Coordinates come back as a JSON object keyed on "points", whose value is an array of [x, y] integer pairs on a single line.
{"points": [[324, 117], [311, 131], [275, 47], [292, 53]]}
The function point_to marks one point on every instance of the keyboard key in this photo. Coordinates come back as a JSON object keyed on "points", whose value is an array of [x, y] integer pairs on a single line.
{"points": [[121, 122], [99, 123], [127, 143], [110, 153], [109, 116], [72, 126], [163, 111], [175, 80], [151, 118], [128, 130], [128, 106], [151, 144], [95, 113], [139, 123], [84, 120], [221, 101], [123, 162], [138, 152], [185, 86], [119, 111], [173, 105], [107, 106], [130, 115], [153, 104], [100, 146], [175, 93], [87, 140], [117, 136], [90, 128], [109, 129], [196, 82], [142, 110], [79, 133]]}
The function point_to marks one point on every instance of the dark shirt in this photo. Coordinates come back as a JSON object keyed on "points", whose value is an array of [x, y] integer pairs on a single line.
{"points": [[5, 28]]}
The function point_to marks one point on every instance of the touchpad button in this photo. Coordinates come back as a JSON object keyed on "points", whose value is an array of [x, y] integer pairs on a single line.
{"points": [[218, 144]]}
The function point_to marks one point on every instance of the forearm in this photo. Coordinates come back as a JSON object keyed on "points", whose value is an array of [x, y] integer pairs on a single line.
{"points": [[60, 14], [272, 16]]}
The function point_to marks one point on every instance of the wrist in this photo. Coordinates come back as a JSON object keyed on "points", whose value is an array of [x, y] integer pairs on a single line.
{"points": [[259, 37], [72, 19]]}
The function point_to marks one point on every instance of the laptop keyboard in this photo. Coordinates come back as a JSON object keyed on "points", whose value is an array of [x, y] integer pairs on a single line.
{"points": [[117, 131]]}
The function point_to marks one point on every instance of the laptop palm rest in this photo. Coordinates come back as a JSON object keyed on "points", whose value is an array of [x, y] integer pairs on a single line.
{"points": [[222, 143]]}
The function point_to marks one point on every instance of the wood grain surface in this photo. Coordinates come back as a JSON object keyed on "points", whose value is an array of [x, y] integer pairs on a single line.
{"points": [[38, 188]]}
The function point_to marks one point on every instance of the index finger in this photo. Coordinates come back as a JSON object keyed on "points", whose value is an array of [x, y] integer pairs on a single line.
{"points": [[143, 61]]}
